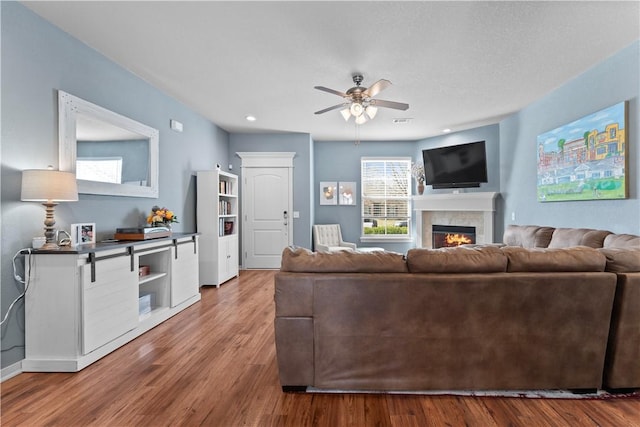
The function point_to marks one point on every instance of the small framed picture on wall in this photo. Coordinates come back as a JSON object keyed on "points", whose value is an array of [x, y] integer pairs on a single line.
{"points": [[328, 193], [347, 193], [83, 234]]}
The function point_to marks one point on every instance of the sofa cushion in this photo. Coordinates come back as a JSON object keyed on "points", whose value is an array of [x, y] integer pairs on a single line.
{"points": [[568, 237], [579, 258], [463, 259], [301, 260], [622, 260], [622, 241], [527, 236]]}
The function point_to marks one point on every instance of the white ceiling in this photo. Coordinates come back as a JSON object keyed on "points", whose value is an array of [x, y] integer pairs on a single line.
{"points": [[458, 65]]}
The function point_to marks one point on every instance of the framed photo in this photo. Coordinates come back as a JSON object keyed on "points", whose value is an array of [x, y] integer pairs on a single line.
{"points": [[347, 193], [83, 234], [328, 193], [585, 159]]}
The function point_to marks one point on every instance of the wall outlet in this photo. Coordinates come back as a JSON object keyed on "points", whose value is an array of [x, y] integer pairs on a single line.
{"points": [[513, 216]]}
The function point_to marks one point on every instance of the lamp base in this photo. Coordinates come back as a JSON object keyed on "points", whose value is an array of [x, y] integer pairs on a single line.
{"points": [[50, 246]]}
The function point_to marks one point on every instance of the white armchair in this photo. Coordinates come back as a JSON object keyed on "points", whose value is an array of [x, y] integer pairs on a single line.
{"points": [[328, 238]]}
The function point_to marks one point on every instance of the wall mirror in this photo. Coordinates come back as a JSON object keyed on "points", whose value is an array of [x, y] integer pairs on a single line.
{"points": [[110, 154]]}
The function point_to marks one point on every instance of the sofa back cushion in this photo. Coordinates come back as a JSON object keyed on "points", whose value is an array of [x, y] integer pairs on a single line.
{"points": [[478, 259], [622, 241], [301, 260], [622, 260], [527, 236], [580, 258], [568, 237]]}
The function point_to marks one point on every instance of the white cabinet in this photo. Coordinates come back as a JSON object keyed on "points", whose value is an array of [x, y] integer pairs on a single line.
{"points": [[217, 222], [82, 304], [184, 270], [227, 258], [109, 301]]}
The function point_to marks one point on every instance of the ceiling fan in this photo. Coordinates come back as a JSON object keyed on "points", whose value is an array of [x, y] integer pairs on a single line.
{"points": [[360, 102]]}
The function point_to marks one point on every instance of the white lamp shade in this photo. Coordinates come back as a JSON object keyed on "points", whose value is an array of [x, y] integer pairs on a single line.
{"points": [[361, 119], [346, 114], [371, 111], [41, 185], [356, 109]]}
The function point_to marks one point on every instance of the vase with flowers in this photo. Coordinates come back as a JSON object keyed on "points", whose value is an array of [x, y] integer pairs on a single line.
{"points": [[161, 217], [417, 171]]}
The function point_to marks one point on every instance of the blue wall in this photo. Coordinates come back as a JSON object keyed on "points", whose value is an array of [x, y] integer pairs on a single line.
{"points": [[38, 59], [340, 161], [612, 81]]}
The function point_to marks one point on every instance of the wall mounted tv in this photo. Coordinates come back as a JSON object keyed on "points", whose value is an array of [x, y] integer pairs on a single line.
{"points": [[456, 166]]}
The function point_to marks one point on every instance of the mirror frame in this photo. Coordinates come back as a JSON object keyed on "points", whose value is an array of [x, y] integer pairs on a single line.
{"points": [[69, 106]]}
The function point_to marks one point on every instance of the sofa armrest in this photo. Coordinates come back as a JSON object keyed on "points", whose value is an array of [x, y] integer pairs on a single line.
{"points": [[321, 248], [348, 245], [622, 366]]}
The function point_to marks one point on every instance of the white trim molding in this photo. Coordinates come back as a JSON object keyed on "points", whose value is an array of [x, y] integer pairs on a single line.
{"points": [[267, 159], [10, 371]]}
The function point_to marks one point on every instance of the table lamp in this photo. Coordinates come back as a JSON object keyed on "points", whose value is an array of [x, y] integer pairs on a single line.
{"points": [[49, 187]]}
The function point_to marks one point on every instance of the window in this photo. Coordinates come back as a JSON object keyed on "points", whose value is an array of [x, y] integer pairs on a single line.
{"points": [[386, 197], [102, 169]]}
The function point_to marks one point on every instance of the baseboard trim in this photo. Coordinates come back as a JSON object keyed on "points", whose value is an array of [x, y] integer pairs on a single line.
{"points": [[294, 388], [10, 371]]}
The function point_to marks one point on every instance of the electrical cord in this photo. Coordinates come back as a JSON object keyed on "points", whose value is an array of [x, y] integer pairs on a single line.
{"points": [[19, 279]]}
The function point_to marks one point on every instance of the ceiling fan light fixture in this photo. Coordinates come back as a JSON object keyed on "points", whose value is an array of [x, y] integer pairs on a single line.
{"points": [[371, 111], [356, 109], [359, 101]]}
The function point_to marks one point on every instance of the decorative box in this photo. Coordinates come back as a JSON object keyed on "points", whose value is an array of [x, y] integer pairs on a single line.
{"points": [[144, 270], [143, 233]]}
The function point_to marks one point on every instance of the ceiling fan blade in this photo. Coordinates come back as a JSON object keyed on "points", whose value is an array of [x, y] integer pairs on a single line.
{"points": [[376, 88], [333, 91], [389, 104], [335, 107]]}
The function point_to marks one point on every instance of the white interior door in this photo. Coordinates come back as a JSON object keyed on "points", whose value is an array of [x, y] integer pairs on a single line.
{"points": [[267, 214]]}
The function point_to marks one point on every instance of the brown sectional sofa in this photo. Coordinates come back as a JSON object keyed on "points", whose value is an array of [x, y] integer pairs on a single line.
{"points": [[515, 317], [622, 367]]}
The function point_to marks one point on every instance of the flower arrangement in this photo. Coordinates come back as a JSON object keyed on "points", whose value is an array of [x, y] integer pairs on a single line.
{"points": [[161, 217], [417, 171]]}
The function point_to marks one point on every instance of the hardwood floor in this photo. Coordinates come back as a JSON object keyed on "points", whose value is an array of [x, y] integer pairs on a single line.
{"points": [[214, 365]]}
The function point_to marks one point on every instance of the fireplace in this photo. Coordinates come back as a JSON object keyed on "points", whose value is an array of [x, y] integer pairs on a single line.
{"points": [[473, 209], [452, 235]]}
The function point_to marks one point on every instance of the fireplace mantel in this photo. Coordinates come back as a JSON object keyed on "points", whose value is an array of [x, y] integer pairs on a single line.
{"points": [[478, 206]]}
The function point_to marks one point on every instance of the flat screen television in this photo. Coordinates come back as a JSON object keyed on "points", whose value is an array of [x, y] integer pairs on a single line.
{"points": [[456, 166]]}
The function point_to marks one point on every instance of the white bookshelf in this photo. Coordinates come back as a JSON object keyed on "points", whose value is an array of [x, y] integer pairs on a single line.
{"points": [[217, 223]]}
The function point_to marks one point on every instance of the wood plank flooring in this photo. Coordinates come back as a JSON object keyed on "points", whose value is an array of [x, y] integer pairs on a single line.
{"points": [[214, 365]]}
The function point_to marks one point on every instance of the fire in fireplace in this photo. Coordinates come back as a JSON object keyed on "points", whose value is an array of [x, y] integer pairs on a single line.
{"points": [[452, 235]]}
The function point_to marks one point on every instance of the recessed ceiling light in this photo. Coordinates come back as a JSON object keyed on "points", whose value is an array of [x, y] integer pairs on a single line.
{"points": [[250, 118], [447, 130]]}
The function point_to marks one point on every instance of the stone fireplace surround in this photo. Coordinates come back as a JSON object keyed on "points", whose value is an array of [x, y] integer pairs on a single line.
{"points": [[475, 209]]}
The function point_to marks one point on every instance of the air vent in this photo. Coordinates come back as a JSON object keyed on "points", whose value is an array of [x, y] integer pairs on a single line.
{"points": [[401, 121]]}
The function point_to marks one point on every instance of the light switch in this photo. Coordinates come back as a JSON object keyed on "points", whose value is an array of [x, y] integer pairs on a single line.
{"points": [[176, 125], [296, 214]]}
